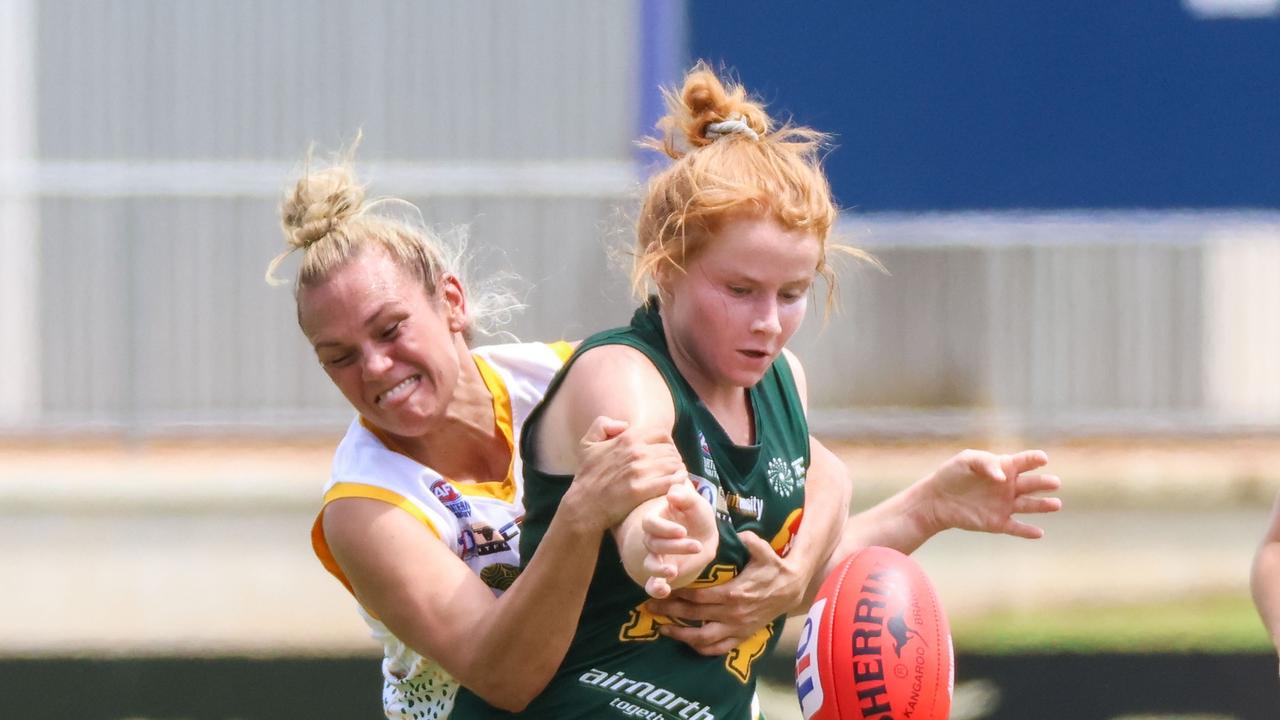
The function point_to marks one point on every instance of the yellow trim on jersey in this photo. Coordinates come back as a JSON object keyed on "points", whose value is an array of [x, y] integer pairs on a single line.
{"points": [[504, 490], [781, 543], [385, 438], [373, 492], [358, 490], [563, 349]]}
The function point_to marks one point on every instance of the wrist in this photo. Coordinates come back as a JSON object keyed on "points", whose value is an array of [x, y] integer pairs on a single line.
{"points": [[797, 574], [921, 510], [579, 517]]}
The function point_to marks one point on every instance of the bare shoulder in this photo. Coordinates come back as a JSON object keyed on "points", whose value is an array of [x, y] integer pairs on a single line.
{"points": [[369, 539], [347, 522], [615, 381]]}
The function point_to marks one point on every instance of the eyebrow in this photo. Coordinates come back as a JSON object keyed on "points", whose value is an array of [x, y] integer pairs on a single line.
{"points": [[750, 279], [373, 317]]}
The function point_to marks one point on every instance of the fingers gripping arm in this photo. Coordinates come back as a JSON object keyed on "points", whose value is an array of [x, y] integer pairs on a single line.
{"points": [[770, 584], [666, 542], [665, 539]]}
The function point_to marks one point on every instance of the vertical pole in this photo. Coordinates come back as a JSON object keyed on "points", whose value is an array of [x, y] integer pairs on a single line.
{"points": [[664, 53], [19, 267]]}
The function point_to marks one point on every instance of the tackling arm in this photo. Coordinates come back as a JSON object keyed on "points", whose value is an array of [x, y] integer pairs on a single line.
{"points": [[665, 542], [505, 649]]}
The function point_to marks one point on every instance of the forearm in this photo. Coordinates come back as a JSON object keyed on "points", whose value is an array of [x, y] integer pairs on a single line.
{"points": [[1265, 584], [826, 510], [630, 536], [517, 652], [504, 648], [902, 522]]}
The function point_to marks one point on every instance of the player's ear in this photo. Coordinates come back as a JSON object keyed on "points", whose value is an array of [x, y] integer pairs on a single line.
{"points": [[454, 299], [664, 277]]}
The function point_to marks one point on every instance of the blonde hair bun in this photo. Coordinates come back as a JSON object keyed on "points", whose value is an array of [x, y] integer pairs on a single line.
{"points": [[320, 203], [328, 222]]}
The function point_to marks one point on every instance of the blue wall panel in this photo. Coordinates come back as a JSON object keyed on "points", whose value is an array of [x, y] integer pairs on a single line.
{"points": [[1004, 104]]}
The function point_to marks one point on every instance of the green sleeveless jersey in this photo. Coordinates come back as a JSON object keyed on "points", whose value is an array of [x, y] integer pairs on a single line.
{"points": [[618, 664]]}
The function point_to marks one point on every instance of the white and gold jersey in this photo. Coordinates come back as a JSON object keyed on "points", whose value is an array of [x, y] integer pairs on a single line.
{"points": [[479, 522]]}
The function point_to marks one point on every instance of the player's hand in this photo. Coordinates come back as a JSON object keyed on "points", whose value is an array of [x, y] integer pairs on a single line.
{"points": [[730, 613], [619, 469], [680, 537], [982, 491]]}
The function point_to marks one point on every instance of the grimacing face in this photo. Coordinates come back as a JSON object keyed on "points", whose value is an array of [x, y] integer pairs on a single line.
{"points": [[739, 301], [389, 348]]}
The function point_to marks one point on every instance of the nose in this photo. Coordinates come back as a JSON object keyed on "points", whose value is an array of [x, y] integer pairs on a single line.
{"points": [[766, 320], [376, 362]]}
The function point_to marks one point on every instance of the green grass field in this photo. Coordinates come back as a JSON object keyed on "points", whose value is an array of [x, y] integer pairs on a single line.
{"points": [[1223, 623]]}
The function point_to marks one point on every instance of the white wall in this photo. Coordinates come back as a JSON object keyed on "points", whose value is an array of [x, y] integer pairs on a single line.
{"points": [[1242, 335]]}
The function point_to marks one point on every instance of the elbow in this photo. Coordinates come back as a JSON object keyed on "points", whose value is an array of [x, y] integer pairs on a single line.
{"points": [[514, 705], [507, 697], [514, 689], [1255, 576], [1266, 562]]}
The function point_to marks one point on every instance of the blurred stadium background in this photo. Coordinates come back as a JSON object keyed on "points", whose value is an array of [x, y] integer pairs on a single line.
{"points": [[1078, 203]]}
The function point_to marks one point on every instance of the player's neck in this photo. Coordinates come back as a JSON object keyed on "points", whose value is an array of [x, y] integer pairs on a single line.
{"points": [[467, 445], [729, 404]]}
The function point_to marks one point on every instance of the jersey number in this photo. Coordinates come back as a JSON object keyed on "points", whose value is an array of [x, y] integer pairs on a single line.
{"points": [[642, 626]]}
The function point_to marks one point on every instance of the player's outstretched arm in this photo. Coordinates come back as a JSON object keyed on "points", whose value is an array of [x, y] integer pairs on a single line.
{"points": [[974, 490], [505, 649], [1264, 580]]}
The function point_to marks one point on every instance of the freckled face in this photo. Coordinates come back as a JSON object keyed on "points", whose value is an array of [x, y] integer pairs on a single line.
{"points": [[740, 300], [392, 350]]}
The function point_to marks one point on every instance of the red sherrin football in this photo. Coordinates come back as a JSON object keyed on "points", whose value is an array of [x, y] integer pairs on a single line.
{"points": [[876, 644]]}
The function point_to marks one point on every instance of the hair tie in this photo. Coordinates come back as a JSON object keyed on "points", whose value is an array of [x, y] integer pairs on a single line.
{"points": [[734, 125]]}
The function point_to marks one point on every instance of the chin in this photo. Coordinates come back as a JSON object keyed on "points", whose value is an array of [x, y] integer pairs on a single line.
{"points": [[401, 423], [745, 378]]}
